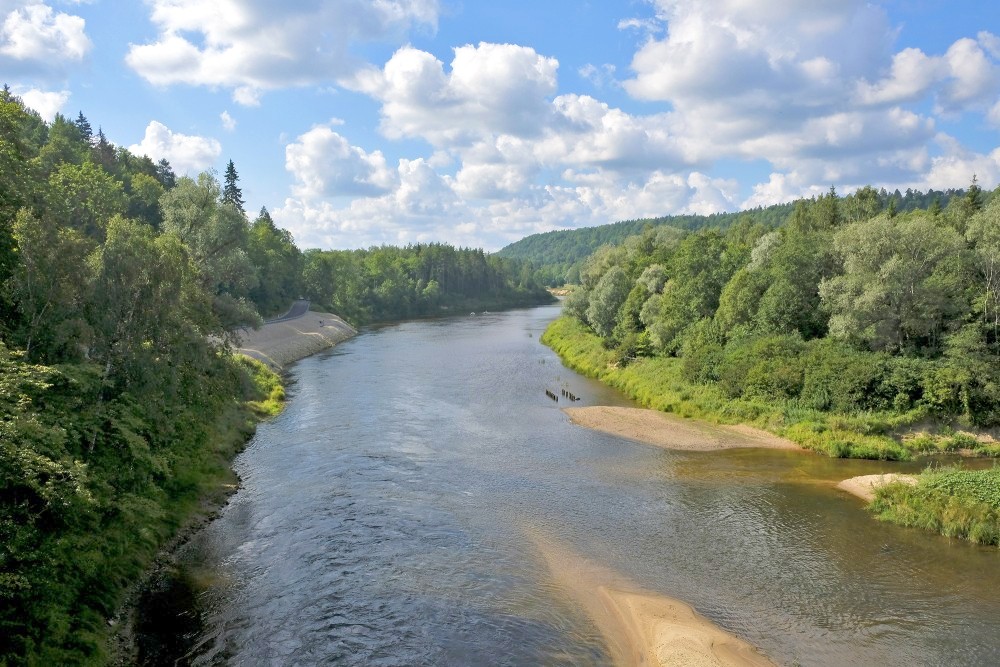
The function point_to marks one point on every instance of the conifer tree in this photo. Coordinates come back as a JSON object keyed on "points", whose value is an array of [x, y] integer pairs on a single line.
{"points": [[83, 125], [231, 192]]}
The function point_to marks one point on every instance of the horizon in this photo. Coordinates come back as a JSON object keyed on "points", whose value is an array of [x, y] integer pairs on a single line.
{"points": [[416, 121]]}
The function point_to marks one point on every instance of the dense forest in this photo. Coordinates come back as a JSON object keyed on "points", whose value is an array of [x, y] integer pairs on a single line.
{"points": [[559, 255], [121, 403], [854, 328]]}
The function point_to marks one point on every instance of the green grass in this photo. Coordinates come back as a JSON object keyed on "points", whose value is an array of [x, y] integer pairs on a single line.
{"points": [[964, 504], [266, 390], [657, 383]]}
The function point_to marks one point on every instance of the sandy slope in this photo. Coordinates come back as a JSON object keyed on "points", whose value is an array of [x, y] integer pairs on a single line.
{"points": [[280, 343], [671, 432]]}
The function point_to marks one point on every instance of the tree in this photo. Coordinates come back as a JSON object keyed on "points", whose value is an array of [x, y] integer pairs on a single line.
{"points": [[49, 286], [83, 125], [231, 193], [84, 197], [278, 262], [217, 238], [902, 282], [165, 174], [606, 299]]}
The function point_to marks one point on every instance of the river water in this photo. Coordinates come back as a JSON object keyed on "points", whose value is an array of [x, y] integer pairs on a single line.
{"points": [[386, 516]]}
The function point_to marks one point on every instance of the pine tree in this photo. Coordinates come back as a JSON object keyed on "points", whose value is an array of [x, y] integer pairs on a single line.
{"points": [[231, 193]]}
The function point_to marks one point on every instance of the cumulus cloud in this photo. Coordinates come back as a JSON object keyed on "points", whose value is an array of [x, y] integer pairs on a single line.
{"points": [[325, 164], [37, 40], [187, 154], [813, 90], [46, 103], [252, 46], [965, 77], [228, 122], [491, 88]]}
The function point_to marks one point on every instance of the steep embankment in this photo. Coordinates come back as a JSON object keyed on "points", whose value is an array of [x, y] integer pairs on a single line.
{"points": [[280, 342]]}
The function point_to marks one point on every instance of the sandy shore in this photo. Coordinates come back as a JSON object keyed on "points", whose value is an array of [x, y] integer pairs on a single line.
{"points": [[864, 486], [671, 432], [281, 343], [641, 628]]}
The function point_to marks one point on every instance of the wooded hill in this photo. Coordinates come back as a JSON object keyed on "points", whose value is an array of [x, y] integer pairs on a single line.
{"points": [[558, 255]]}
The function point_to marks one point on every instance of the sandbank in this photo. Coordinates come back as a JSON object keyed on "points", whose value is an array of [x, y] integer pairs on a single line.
{"points": [[642, 628], [280, 343], [672, 432], [864, 487]]}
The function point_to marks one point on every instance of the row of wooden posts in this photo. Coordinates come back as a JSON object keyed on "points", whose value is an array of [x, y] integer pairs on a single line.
{"points": [[566, 394]]}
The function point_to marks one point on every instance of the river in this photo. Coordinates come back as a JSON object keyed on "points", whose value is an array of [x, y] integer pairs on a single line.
{"points": [[386, 518]]}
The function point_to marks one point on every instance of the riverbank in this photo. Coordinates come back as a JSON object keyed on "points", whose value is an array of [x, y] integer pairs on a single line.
{"points": [[965, 505], [866, 486], [280, 343], [133, 640], [642, 628], [672, 432]]}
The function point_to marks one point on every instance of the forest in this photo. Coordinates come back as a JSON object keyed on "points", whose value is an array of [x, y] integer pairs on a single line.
{"points": [[121, 403], [854, 328], [559, 255]]}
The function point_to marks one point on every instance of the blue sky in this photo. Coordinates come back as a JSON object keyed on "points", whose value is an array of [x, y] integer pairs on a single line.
{"points": [[360, 122]]}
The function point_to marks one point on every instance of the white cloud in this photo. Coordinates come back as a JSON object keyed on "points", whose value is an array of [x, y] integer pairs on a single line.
{"points": [[187, 154], [228, 122], [325, 164], [37, 40], [46, 103], [965, 77], [252, 46], [956, 165], [491, 88]]}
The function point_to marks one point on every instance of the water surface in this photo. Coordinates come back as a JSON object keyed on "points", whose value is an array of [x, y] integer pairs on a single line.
{"points": [[384, 520]]}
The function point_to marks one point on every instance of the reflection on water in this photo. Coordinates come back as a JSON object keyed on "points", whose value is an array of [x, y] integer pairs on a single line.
{"points": [[382, 522]]}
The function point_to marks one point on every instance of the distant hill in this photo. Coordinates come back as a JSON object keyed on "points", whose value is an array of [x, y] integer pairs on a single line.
{"points": [[555, 253]]}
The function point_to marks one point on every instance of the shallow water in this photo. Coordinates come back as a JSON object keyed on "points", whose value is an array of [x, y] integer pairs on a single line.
{"points": [[384, 520]]}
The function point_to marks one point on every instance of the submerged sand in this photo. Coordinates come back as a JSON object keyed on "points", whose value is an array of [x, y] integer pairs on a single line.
{"points": [[671, 432], [642, 628], [864, 487], [280, 343]]}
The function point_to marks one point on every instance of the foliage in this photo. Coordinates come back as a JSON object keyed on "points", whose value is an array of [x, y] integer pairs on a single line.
{"points": [[120, 403], [833, 311], [423, 280]]}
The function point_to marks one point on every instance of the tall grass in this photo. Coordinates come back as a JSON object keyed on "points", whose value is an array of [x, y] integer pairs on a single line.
{"points": [[963, 504]]}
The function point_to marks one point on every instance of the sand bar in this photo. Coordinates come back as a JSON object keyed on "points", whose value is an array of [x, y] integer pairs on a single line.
{"points": [[864, 486], [672, 432], [280, 343], [641, 628]]}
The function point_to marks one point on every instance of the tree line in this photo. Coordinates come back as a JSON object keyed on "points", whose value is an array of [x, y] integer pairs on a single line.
{"points": [[121, 285], [559, 255], [852, 306]]}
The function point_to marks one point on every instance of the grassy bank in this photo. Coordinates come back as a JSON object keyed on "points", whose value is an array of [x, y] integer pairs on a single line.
{"points": [[954, 502], [957, 503], [92, 492], [656, 382]]}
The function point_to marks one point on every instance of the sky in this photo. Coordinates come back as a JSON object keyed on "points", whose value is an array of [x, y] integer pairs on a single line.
{"points": [[476, 123]]}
